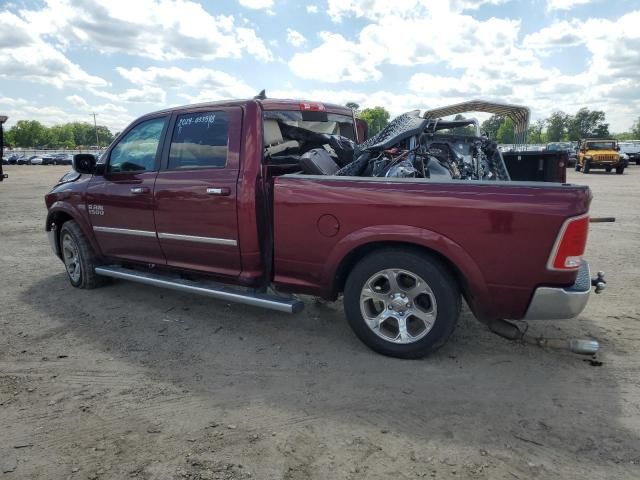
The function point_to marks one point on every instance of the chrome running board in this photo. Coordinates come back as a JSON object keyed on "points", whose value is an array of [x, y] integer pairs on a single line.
{"points": [[209, 289]]}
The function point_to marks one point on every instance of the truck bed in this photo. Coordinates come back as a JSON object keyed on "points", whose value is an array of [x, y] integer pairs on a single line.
{"points": [[497, 235]]}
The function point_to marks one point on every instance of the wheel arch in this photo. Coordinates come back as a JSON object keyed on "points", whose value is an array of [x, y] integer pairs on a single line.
{"points": [[57, 216], [463, 268]]}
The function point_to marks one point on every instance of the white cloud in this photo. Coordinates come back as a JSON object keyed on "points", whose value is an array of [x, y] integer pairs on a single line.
{"points": [[30, 58], [559, 34], [336, 60], [257, 4], [157, 29], [55, 115], [14, 102], [81, 104], [408, 39], [565, 4], [295, 38], [212, 82], [312, 9], [376, 9], [146, 94]]}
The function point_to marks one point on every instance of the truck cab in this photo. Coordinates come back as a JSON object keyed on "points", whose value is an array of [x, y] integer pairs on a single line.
{"points": [[600, 154]]}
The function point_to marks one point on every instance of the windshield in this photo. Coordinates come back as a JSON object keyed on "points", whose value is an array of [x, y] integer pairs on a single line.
{"points": [[318, 122], [601, 146]]}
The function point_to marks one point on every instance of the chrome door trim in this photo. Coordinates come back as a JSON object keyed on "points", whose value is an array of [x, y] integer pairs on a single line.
{"points": [[125, 231], [191, 238]]}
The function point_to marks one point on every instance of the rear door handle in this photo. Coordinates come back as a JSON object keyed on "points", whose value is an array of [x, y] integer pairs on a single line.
{"points": [[222, 192], [138, 190]]}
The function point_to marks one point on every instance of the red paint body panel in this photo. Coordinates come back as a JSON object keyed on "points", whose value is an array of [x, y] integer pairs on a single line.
{"points": [[183, 207], [498, 235], [126, 210]]}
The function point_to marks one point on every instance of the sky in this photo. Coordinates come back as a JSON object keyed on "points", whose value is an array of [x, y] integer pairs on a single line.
{"points": [[63, 60]]}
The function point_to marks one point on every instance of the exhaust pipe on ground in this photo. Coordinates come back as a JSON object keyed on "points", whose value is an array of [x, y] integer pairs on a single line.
{"points": [[510, 331]]}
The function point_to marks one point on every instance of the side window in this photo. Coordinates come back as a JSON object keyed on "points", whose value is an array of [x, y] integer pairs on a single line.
{"points": [[136, 152], [199, 140]]}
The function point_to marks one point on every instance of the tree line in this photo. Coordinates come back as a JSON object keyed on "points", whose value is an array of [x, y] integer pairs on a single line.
{"points": [[559, 126], [33, 134]]}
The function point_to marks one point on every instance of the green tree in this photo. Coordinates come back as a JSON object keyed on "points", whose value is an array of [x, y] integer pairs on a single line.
{"points": [[492, 125], [9, 141], [353, 106], [31, 133], [467, 130], [635, 129], [536, 134], [28, 133], [557, 125], [377, 118], [104, 135], [588, 124], [506, 132], [60, 136], [624, 136]]}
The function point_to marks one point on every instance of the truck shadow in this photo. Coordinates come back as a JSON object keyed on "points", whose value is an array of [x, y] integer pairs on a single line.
{"points": [[478, 391]]}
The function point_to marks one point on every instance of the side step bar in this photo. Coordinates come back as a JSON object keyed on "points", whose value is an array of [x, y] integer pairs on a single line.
{"points": [[209, 289]]}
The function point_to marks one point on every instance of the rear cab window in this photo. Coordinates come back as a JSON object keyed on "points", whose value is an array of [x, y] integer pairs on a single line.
{"points": [[289, 134], [199, 140]]}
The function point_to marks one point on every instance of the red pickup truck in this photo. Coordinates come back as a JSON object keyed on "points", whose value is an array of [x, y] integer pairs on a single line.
{"points": [[256, 200]]}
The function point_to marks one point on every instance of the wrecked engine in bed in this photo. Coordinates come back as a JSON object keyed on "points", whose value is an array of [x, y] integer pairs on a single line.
{"points": [[408, 147]]}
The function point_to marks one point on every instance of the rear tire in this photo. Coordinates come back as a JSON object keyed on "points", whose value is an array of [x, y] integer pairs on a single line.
{"points": [[402, 303], [577, 167], [619, 170], [78, 256]]}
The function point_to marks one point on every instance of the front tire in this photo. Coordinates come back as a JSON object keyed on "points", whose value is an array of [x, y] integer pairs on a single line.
{"points": [[587, 167], [78, 256], [402, 303], [608, 169], [619, 170]]}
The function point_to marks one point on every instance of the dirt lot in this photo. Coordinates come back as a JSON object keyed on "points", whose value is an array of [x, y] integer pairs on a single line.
{"points": [[131, 381]]}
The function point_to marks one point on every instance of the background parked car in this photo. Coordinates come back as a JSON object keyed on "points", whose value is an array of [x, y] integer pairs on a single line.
{"points": [[36, 160], [63, 159], [563, 147], [48, 159], [632, 151], [22, 160]]}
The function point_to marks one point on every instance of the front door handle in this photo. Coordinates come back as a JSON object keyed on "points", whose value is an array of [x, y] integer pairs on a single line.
{"points": [[138, 190], [222, 192]]}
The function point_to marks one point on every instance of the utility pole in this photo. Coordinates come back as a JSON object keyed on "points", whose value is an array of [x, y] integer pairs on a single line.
{"points": [[95, 126]]}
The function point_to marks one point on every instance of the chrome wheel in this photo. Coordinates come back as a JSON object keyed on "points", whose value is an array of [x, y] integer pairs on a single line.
{"points": [[71, 257], [398, 306]]}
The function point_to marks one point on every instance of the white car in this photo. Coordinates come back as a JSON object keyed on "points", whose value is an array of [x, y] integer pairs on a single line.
{"points": [[36, 161]]}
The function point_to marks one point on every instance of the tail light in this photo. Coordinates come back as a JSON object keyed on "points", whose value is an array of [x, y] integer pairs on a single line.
{"points": [[570, 245]]}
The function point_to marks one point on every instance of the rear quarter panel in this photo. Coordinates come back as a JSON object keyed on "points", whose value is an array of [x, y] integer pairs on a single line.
{"points": [[498, 235]]}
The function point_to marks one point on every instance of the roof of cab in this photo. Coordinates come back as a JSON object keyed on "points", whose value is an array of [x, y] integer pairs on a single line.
{"points": [[267, 104]]}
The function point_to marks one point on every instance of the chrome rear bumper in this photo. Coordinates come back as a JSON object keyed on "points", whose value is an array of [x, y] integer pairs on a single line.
{"points": [[553, 303]]}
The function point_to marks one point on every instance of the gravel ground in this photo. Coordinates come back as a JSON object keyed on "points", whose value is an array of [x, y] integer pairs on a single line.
{"points": [[130, 381]]}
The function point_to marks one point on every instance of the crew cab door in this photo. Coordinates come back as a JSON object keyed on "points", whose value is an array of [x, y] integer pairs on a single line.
{"points": [[196, 191], [120, 201]]}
